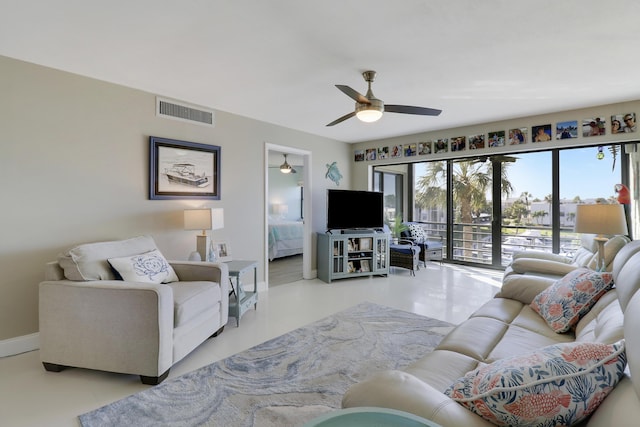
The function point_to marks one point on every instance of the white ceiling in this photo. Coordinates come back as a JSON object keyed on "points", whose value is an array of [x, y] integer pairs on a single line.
{"points": [[278, 60]]}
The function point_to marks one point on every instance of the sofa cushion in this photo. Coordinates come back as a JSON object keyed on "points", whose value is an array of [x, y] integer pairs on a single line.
{"points": [[557, 385], [89, 261], [150, 267], [192, 298], [568, 299]]}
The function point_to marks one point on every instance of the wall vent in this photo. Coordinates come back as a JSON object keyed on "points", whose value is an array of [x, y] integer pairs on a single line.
{"points": [[176, 110]]}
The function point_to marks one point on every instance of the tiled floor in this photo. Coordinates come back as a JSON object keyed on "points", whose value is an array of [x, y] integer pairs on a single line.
{"points": [[29, 396]]}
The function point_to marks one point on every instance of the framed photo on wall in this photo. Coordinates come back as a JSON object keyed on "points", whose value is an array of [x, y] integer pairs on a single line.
{"points": [[183, 170]]}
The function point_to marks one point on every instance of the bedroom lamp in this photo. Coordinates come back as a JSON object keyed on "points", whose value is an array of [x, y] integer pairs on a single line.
{"points": [[601, 219], [202, 219]]}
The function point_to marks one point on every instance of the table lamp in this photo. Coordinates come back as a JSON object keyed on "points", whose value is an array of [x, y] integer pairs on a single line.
{"points": [[601, 219], [203, 219]]}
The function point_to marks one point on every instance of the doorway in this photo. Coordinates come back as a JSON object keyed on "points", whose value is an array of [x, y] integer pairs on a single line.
{"points": [[287, 214]]}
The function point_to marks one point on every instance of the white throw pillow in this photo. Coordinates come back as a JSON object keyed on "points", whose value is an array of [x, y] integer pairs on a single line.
{"points": [[149, 267], [561, 384]]}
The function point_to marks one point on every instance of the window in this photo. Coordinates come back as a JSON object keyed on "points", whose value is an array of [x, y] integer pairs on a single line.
{"points": [[535, 194]]}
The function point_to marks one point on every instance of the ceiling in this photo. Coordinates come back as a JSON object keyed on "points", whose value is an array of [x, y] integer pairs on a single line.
{"points": [[278, 61]]}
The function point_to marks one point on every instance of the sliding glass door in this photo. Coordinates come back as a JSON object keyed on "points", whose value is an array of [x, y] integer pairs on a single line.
{"points": [[534, 194]]}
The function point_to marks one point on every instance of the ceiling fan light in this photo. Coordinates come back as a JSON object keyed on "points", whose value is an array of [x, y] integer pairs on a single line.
{"points": [[369, 116], [285, 168]]}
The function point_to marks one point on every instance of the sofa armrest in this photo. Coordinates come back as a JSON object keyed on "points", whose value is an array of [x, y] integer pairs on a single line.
{"points": [[541, 266], [523, 288], [541, 255], [107, 325], [218, 272], [193, 271], [402, 391]]}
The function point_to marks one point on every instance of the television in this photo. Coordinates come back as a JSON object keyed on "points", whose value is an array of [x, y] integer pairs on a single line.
{"points": [[352, 209]]}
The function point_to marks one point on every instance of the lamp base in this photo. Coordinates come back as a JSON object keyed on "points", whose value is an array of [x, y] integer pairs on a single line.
{"points": [[600, 263], [202, 246]]}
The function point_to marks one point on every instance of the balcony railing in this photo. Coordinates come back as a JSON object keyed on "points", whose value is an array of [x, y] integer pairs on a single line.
{"points": [[473, 243]]}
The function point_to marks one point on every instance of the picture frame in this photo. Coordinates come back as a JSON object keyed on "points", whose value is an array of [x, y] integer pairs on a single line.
{"points": [[221, 249], [365, 244], [364, 265], [183, 170]]}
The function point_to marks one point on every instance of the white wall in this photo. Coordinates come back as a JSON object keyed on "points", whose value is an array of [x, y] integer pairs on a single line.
{"points": [[74, 169]]}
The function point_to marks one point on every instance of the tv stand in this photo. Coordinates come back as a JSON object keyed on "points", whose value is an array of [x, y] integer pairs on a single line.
{"points": [[352, 254], [358, 231]]}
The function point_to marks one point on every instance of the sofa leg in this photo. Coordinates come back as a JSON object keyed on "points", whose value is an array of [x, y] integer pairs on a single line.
{"points": [[218, 332], [52, 367], [154, 380]]}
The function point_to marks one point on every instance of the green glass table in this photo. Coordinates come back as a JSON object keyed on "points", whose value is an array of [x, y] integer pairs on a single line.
{"points": [[370, 417], [240, 300]]}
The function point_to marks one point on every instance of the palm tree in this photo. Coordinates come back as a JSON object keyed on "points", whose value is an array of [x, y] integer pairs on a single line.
{"points": [[549, 199], [471, 180], [526, 197]]}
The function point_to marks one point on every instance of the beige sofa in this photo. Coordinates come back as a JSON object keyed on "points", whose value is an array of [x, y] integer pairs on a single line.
{"points": [[505, 327], [551, 265], [91, 318]]}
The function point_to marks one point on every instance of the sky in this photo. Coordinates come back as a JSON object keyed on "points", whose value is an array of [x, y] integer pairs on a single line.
{"points": [[581, 174]]}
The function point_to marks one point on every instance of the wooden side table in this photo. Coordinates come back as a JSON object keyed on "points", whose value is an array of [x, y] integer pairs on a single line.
{"points": [[243, 300]]}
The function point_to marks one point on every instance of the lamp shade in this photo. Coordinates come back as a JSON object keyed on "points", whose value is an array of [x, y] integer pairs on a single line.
{"points": [[204, 219], [601, 219]]}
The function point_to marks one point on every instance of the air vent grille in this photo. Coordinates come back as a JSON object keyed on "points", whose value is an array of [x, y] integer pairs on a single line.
{"points": [[180, 111]]}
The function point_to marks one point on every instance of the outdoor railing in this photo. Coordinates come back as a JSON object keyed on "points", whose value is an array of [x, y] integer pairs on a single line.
{"points": [[473, 242]]}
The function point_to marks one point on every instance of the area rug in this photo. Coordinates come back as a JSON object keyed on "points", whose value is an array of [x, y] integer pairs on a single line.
{"points": [[285, 381]]}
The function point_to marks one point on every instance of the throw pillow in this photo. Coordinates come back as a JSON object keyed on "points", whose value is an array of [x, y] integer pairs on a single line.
{"points": [[417, 232], [557, 385], [149, 267], [564, 303]]}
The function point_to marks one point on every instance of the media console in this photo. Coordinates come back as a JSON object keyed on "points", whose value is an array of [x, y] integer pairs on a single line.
{"points": [[352, 253]]}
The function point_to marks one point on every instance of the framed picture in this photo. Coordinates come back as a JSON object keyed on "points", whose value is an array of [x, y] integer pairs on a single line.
{"points": [[567, 130], [183, 170], [222, 251], [365, 244], [364, 265]]}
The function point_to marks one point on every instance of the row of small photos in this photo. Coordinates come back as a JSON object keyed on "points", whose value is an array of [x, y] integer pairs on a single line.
{"points": [[597, 126]]}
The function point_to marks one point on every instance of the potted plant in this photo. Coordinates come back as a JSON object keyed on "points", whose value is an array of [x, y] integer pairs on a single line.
{"points": [[398, 228]]}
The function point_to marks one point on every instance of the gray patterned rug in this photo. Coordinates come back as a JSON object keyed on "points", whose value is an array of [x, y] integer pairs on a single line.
{"points": [[285, 381]]}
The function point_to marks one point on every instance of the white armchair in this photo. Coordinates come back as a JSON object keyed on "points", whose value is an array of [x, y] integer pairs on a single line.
{"points": [[91, 319]]}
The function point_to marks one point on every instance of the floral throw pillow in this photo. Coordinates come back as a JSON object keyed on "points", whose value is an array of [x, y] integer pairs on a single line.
{"points": [[150, 267], [565, 302], [557, 385]]}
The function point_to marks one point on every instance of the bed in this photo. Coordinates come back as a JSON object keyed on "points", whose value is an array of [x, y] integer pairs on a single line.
{"points": [[285, 238]]}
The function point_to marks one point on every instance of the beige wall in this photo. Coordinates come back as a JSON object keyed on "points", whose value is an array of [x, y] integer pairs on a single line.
{"points": [[74, 169]]}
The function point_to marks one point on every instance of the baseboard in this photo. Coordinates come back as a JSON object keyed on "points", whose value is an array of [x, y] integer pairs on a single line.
{"points": [[17, 345]]}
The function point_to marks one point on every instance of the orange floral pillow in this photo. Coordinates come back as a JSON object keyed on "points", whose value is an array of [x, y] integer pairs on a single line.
{"points": [[565, 302]]}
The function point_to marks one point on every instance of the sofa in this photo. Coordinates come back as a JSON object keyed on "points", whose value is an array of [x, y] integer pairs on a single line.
{"points": [[496, 354], [552, 265], [121, 307]]}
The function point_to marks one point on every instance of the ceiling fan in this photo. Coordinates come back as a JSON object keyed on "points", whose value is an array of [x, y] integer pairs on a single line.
{"points": [[286, 167], [369, 108]]}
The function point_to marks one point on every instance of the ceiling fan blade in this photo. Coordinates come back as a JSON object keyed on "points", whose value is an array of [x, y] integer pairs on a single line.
{"points": [[342, 119], [407, 109], [354, 94]]}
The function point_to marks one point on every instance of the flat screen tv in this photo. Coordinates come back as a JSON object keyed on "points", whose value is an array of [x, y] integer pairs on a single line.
{"points": [[352, 209]]}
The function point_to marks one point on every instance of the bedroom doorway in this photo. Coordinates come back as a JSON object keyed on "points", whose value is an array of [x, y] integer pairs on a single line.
{"points": [[287, 214]]}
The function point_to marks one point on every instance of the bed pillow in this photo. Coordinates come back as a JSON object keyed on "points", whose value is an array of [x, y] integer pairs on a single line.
{"points": [[564, 303], [149, 267], [557, 385]]}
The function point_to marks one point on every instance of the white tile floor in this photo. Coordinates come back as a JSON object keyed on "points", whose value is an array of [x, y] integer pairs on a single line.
{"points": [[29, 396]]}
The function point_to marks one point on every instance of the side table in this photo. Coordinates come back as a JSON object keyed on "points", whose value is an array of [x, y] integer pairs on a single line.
{"points": [[243, 300]]}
